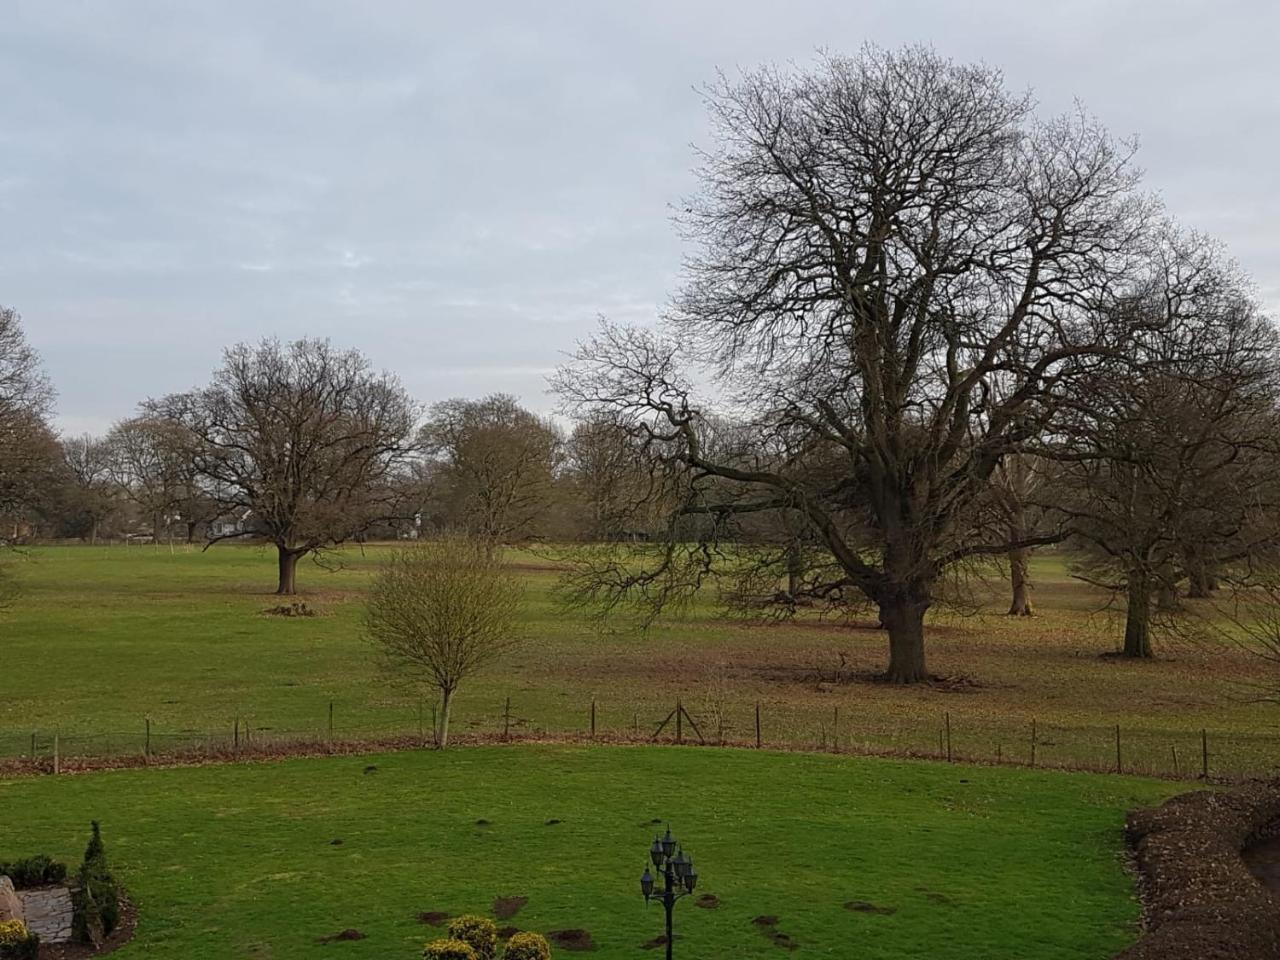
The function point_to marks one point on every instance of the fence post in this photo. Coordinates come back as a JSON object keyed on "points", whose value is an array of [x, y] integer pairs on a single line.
{"points": [[422, 731], [1033, 741], [33, 745], [1174, 748], [999, 751], [331, 721], [506, 720], [57, 754], [593, 718], [236, 737], [947, 720], [757, 724], [835, 731], [679, 726], [1119, 769], [1204, 753], [146, 750]]}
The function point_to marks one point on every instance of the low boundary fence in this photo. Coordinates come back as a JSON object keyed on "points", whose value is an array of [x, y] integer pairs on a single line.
{"points": [[1201, 754]]}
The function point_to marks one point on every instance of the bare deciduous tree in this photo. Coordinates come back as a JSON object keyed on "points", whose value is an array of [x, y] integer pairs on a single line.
{"points": [[440, 611], [495, 463], [306, 437], [899, 273], [89, 476], [1176, 451]]}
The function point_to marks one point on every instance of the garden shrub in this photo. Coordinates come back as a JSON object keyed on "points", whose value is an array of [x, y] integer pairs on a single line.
{"points": [[96, 898], [448, 950], [17, 942], [479, 933], [37, 871], [527, 946]]}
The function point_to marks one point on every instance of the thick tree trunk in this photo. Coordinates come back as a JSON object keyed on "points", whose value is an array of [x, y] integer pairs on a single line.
{"points": [[1200, 582], [446, 702], [1137, 624], [288, 563], [795, 570], [1020, 578], [904, 619]]}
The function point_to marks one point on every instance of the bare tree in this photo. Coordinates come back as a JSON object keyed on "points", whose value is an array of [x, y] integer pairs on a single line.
{"points": [[28, 449], [899, 277], [439, 612], [1176, 450], [494, 466], [88, 462], [307, 438]]}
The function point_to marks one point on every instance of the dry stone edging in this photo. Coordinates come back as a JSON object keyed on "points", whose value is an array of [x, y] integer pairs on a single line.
{"points": [[1201, 900], [47, 911]]}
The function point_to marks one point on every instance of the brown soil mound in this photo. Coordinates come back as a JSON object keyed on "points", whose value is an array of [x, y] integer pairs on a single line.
{"points": [[572, 940], [1202, 903], [708, 901], [862, 906], [504, 908], [435, 918], [348, 934]]}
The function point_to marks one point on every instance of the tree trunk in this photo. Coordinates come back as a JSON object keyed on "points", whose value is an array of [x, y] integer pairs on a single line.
{"points": [[1020, 577], [446, 701], [1137, 624], [795, 570], [93, 532], [288, 562], [1200, 582], [904, 619]]}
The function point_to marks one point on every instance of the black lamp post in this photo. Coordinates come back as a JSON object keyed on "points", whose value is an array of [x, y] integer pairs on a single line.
{"points": [[677, 873]]}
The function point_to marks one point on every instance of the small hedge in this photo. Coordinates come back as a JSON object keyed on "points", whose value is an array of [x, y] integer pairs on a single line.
{"points": [[448, 950], [527, 946], [38, 871], [96, 897], [17, 942], [479, 933]]}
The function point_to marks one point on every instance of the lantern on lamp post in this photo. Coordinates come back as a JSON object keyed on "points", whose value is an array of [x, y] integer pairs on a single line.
{"points": [[675, 872]]}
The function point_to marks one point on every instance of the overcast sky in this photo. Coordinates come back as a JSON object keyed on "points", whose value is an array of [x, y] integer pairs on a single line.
{"points": [[459, 189]]}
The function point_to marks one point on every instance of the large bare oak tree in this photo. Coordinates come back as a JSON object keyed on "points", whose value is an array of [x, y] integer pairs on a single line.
{"points": [[306, 439], [898, 275]]}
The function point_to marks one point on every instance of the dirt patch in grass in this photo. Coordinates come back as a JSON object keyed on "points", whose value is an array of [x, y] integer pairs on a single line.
{"points": [[708, 901], [299, 609], [573, 940], [659, 941], [504, 908], [434, 918], [349, 934], [767, 925], [936, 897], [506, 933], [863, 906]]}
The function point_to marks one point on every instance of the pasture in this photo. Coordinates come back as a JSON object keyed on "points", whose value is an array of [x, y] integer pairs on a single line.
{"points": [[104, 638], [901, 859]]}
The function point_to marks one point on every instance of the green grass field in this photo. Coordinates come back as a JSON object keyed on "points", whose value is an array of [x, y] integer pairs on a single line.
{"points": [[237, 860], [105, 637]]}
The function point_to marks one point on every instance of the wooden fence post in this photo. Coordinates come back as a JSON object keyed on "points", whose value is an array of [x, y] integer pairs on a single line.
{"points": [[506, 720], [835, 731], [1033, 741], [236, 737], [757, 724], [679, 727], [1204, 753], [1119, 768], [593, 718], [1174, 748], [331, 721], [947, 721], [422, 729], [146, 749], [57, 754]]}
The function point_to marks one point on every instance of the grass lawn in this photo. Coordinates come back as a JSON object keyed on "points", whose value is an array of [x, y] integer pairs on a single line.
{"points": [[238, 860], [105, 637]]}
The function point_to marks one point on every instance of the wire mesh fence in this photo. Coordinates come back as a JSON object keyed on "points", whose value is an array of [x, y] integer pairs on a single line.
{"points": [[338, 727]]}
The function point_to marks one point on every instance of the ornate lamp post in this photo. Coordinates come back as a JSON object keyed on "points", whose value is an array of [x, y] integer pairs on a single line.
{"points": [[677, 874]]}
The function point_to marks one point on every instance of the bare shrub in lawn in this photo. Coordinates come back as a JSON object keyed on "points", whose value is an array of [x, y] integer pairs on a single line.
{"points": [[440, 611]]}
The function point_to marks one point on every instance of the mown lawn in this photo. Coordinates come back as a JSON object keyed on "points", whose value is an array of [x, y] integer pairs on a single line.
{"points": [[105, 637], [241, 860]]}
